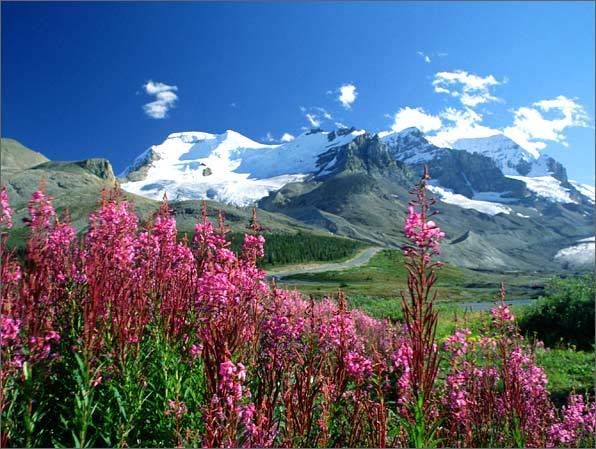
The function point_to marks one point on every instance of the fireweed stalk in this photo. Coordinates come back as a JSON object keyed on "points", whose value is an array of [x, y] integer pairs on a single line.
{"points": [[420, 317], [31, 306]]}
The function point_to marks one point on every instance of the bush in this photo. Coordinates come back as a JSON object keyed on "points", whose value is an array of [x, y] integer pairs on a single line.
{"points": [[565, 314]]}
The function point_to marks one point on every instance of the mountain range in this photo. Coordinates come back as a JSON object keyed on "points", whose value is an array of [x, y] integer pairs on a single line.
{"points": [[502, 207]]}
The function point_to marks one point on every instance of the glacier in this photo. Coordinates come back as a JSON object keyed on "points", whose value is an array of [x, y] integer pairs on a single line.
{"points": [[228, 167], [234, 169]]}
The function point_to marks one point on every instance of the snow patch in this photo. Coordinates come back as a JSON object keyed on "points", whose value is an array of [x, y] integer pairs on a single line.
{"points": [[546, 187], [588, 239], [494, 197], [576, 255], [586, 190], [329, 166], [486, 207]]}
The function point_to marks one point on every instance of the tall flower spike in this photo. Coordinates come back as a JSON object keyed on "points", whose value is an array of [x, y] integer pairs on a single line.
{"points": [[254, 224], [5, 210], [420, 317], [253, 247]]}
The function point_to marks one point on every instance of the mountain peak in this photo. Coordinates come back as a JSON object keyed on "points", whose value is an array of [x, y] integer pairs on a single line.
{"points": [[412, 131], [227, 167], [191, 136], [14, 155], [509, 156], [364, 152], [411, 146], [500, 140]]}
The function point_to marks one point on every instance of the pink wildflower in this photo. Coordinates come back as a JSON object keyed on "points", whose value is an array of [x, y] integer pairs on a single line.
{"points": [[176, 409], [359, 367], [422, 234], [5, 210]]}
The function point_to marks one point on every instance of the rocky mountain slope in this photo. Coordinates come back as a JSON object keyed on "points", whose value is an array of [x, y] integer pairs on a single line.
{"points": [[502, 207], [365, 193], [15, 156], [76, 187]]}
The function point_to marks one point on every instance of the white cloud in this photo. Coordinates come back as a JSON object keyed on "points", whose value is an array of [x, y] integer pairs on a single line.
{"points": [[465, 123], [533, 126], [530, 128], [325, 113], [471, 89], [313, 119], [287, 137], [424, 56], [165, 99], [340, 125], [347, 95], [415, 117], [153, 88]]}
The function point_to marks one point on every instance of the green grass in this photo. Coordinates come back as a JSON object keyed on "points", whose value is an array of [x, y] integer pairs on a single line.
{"points": [[451, 316], [385, 276], [568, 370]]}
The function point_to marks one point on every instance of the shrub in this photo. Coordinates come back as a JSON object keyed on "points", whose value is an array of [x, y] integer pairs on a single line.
{"points": [[565, 314]]}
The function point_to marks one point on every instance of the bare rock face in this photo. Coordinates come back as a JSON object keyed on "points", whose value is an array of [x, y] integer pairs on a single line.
{"points": [[207, 171], [99, 167], [466, 173], [365, 153], [138, 170]]}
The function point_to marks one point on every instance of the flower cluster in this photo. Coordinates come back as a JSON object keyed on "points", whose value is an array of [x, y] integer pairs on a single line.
{"points": [[424, 234], [359, 367], [5, 210], [578, 423]]}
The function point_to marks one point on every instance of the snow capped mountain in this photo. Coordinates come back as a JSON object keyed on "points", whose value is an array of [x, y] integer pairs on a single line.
{"points": [[542, 175], [226, 167], [411, 147], [486, 174], [511, 158]]}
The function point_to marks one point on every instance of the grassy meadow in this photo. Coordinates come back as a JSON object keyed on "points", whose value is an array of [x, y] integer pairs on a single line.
{"points": [[376, 286], [385, 276]]}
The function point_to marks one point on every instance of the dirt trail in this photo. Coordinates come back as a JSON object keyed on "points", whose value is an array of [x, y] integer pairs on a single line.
{"points": [[359, 259]]}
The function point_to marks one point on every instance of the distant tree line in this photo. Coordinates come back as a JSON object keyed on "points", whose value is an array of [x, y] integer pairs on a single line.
{"points": [[282, 249]]}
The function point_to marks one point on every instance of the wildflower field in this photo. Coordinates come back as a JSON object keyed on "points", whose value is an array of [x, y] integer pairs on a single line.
{"points": [[131, 337]]}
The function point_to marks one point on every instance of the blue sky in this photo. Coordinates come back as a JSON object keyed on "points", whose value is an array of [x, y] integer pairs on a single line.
{"points": [[75, 77]]}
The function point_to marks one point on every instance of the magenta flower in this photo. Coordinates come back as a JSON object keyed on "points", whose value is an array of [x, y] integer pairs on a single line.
{"points": [[424, 234], [5, 210]]}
